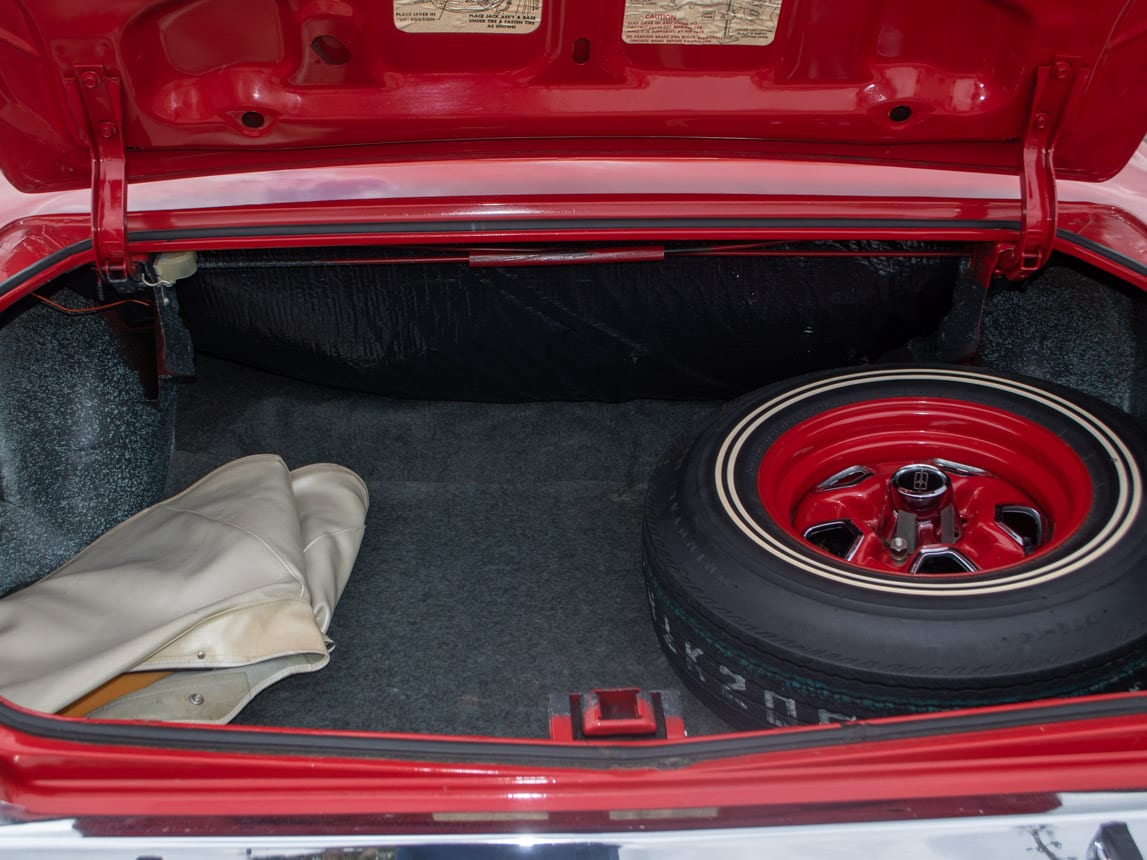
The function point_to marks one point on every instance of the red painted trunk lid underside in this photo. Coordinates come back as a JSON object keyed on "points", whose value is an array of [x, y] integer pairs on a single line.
{"points": [[211, 86]]}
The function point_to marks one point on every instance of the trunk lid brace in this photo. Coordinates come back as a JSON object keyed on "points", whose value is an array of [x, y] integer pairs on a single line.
{"points": [[1055, 86], [97, 102]]}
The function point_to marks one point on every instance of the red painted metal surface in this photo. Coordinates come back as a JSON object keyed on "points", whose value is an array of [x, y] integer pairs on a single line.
{"points": [[617, 712], [26, 241], [1054, 87], [1027, 465], [97, 98], [1106, 237], [40, 244], [48, 777], [650, 217], [895, 82]]}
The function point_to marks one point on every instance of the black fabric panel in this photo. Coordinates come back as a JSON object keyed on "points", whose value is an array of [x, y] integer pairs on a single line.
{"points": [[685, 327]]}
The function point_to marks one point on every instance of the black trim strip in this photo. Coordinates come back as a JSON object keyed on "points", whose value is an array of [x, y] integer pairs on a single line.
{"points": [[47, 262], [666, 756], [568, 224], [1103, 251]]}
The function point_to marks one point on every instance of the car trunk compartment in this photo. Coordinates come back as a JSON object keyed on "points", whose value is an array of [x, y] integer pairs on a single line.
{"points": [[502, 559], [506, 421]]}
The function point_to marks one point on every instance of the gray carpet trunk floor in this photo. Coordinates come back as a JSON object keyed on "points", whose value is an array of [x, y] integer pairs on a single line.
{"points": [[501, 560], [501, 556]]}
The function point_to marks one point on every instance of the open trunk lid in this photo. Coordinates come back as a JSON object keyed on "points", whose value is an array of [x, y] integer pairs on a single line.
{"points": [[208, 86]]}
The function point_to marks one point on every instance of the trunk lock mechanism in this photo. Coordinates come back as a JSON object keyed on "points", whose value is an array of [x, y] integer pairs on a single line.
{"points": [[622, 714]]}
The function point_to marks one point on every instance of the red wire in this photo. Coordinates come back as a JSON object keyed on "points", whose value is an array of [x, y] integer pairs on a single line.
{"points": [[82, 311]]}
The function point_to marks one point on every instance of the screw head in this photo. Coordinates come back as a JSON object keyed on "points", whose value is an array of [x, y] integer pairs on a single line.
{"points": [[195, 698], [1060, 69], [107, 130], [1042, 120], [90, 80], [898, 545]]}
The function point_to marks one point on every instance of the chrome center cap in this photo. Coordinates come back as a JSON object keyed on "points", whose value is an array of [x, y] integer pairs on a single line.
{"points": [[920, 489]]}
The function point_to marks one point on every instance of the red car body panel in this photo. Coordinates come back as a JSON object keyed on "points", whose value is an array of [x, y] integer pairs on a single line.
{"points": [[47, 776], [205, 86], [1102, 223]]}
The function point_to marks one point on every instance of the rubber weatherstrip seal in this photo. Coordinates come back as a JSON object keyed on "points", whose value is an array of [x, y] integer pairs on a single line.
{"points": [[472, 227], [25, 275], [1129, 263], [664, 756], [569, 224], [15, 281]]}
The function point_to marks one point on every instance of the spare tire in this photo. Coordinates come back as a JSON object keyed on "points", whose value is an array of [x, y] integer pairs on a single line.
{"points": [[900, 540]]}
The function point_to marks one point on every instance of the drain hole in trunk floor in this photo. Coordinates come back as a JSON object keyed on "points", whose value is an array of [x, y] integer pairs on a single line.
{"points": [[501, 556]]}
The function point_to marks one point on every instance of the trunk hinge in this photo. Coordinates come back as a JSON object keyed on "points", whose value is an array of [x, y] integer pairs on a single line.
{"points": [[98, 104], [1054, 85]]}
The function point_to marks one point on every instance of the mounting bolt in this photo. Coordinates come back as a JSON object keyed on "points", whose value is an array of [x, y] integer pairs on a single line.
{"points": [[899, 547], [1042, 120], [1060, 69], [91, 80], [195, 698], [107, 130]]}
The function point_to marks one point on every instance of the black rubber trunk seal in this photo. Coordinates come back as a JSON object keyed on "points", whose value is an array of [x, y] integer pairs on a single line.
{"points": [[665, 756]]}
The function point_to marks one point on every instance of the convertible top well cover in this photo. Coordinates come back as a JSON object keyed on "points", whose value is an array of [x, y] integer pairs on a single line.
{"points": [[230, 586]]}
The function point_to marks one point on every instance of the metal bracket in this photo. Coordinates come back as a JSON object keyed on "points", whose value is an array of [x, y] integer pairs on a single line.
{"points": [[1113, 842], [98, 103], [616, 715], [1055, 83]]}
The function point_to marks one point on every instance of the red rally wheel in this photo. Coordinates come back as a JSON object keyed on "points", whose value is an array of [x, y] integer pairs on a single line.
{"points": [[916, 485], [900, 539]]}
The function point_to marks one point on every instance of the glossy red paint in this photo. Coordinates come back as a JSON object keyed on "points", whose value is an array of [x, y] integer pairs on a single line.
{"points": [[43, 776], [1102, 223], [892, 82], [35, 250], [1102, 234], [1107, 237], [568, 218], [1026, 465], [1105, 223], [1055, 84]]}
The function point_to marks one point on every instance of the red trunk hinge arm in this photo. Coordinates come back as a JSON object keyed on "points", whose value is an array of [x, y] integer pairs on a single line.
{"points": [[1054, 86], [98, 102]]}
